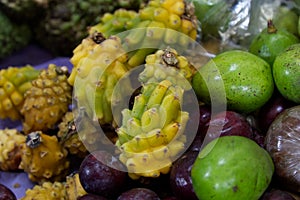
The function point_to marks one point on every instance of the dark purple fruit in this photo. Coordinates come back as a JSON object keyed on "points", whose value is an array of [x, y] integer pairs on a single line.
{"points": [[271, 110], [228, 123], [6, 193], [276, 194], [139, 193], [98, 178], [180, 176], [91, 197]]}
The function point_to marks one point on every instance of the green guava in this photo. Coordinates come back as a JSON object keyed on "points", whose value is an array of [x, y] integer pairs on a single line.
{"points": [[271, 41], [286, 73], [245, 78], [232, 167]]}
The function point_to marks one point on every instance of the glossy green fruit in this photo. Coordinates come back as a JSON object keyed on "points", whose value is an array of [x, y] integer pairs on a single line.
{"points": [[232, 167], [286, 73], [271, 41], [247, 81]]}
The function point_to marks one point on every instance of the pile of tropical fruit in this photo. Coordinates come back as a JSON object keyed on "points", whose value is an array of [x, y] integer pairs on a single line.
{"points": [[147, 111]]}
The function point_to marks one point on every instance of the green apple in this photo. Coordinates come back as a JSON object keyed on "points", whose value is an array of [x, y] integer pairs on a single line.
{"points": [[232, 167], [247, 80]]}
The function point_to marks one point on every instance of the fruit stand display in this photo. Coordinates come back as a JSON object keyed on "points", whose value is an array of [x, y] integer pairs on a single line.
{"points": [[150, 99]]}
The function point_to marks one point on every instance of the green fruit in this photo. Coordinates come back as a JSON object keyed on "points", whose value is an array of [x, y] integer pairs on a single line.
{"points": [[286, 19], [247, 80], [271, 41], [213, 15], [232, 167], [286, 73]]}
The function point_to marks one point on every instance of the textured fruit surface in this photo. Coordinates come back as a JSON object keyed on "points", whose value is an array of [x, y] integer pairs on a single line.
{"points": [[14, 82], [232, 167], [96, 75], [282, 142], [167, 64], [66, 23], [11, 141], [157, 24], [47, 100], [47, 190], [271, 41], [73, 187], [286, 73], [68, 136], [246, 78], [43, 158], [151, 134]]}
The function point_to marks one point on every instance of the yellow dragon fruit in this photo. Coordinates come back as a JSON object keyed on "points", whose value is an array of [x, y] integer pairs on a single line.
{"points": [[43, 158], [11, 141], [47, 100], [151, 134], [14, 82]]}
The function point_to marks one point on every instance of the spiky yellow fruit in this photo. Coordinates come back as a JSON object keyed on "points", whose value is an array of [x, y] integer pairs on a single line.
{"points": [[96, 76], [14, 82], [73, 187], [151, 134], [43, 158], [47, 100], [46, 191], [167, 64], [11, 141], [69, 137]]}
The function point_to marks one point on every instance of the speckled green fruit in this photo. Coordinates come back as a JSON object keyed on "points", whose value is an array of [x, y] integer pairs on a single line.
{"points": [[271, 41], [247, 81], [286, 73], [232, 167]]}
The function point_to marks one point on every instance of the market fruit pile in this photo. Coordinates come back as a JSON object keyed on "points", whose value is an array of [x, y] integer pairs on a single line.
{"points": [[144, 113]]}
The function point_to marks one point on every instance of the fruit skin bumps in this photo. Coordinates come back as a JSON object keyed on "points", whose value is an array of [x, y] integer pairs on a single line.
{"points": [[47, 100], [96, 74], [157, 24], [47, 190], [14, 82], [151, 134], [43, 158], [66, 22], [11, 141]]}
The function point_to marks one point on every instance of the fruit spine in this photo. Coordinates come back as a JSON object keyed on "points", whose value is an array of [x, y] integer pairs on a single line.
{"points": [[43, 158], [47, 100], [11, 141], [14, 82]]}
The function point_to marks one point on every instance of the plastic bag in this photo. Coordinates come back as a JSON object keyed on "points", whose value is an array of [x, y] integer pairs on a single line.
{"points": [[235, 22]]}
